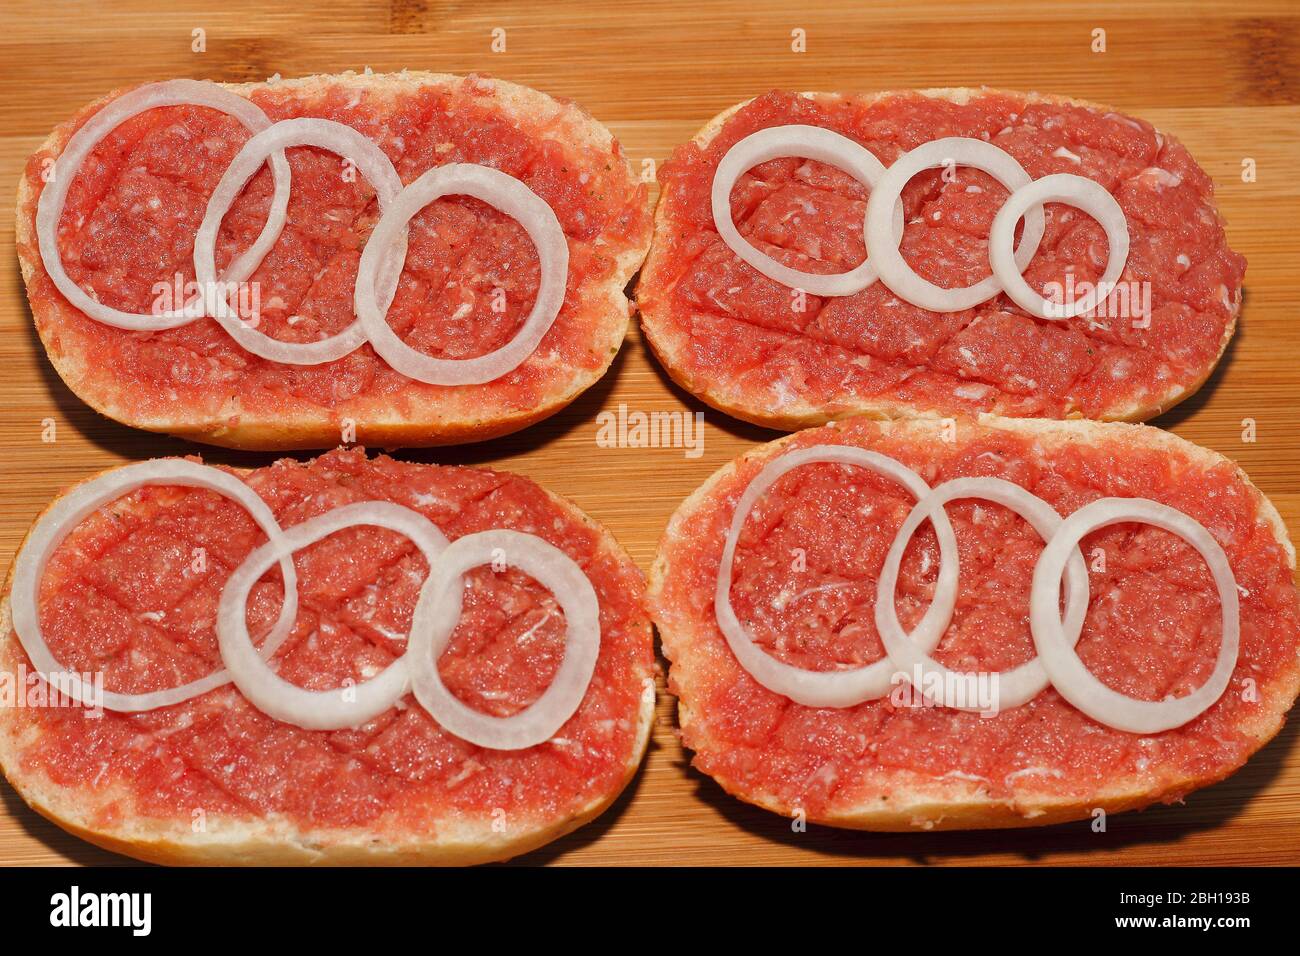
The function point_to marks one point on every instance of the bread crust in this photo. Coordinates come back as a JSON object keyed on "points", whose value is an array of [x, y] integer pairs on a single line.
{"points": [[379, 426], [670, 349], [277, 842], [920, 801]]}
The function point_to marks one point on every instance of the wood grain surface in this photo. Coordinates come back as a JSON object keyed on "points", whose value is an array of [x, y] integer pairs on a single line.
{"points": [[1225, 78]]}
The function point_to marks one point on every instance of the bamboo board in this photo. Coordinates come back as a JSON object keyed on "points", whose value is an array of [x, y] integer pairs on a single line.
{"points": [[1223, 78]]}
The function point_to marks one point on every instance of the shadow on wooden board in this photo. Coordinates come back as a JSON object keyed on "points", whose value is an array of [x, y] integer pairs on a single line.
{"points": [[1205, 394], [125, 442]]}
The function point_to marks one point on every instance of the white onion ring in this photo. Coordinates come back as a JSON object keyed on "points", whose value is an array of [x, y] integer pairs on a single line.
{"points": [[831, 688], [54, 195], [811, 142], [1082, 193], [1070, 677], [316, 709], [326, 134], [86, 498], [439, 609], [515, 199], [885, 252], [1020, 684]]}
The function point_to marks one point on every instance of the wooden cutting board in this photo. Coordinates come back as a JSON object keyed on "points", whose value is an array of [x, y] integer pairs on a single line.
{"points": [[1225, 78]]}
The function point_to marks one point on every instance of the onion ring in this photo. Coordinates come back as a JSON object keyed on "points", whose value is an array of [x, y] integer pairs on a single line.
{"points": [[1070, 677], [438, 611], [886, 253], [831, 688], [811, 142], [49, 208], [512, 197], [86, 498], [326, 134], [341, 707], [1020, 684], [1082, 193]]}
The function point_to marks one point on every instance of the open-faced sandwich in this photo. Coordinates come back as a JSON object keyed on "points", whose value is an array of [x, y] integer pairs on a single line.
{"points": [[976, 623], [402, 259], [942, 252], [350, 660]]}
